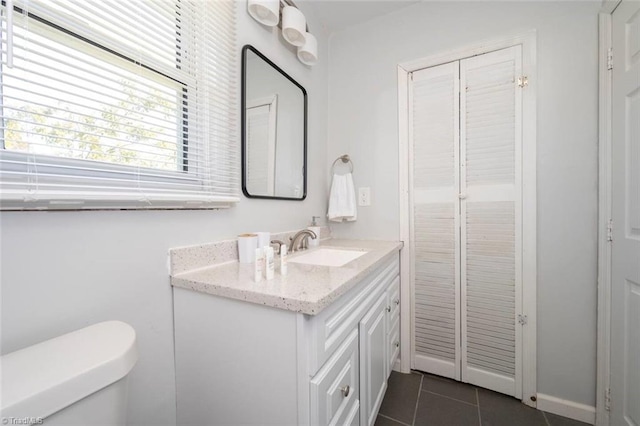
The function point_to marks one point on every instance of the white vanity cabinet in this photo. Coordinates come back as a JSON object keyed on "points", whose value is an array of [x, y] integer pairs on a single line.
{"points": [[244, 363]]}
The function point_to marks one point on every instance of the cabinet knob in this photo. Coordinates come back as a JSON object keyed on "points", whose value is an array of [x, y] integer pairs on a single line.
{"points": [[345, 391], [397, 301], [388, 308], [397, 344]]}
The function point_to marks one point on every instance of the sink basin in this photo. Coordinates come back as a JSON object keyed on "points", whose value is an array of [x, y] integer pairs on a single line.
{"points": [[327, 257]]}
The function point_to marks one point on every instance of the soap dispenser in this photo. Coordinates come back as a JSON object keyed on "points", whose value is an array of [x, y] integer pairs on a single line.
{"points": [[316, 230]]}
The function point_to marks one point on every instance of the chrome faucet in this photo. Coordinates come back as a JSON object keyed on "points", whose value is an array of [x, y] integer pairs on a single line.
{"points": [[279, 244], [301, 240]]}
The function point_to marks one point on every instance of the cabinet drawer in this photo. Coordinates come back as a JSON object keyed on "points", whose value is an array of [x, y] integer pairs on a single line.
{"points": [[335, 390], [394, 299], [333, 324], [393, 338]]}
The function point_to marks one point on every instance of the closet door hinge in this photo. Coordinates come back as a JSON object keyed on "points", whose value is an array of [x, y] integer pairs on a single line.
{"points": [[610, 230], [522, 319], [607, 399], [523, 81], [610, 58]]}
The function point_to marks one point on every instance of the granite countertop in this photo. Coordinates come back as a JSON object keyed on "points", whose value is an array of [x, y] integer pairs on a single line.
{"points": [[307, 289]]}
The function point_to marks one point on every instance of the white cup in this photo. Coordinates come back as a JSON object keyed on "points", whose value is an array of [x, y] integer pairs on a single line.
{"points": [[247, 245]]}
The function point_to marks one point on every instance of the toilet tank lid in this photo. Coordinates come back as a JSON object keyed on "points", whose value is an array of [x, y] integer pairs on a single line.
{"points": [[42, 379]]}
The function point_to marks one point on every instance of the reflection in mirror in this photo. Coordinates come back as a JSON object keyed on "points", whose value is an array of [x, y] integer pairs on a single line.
{"points": [[274, 130]]}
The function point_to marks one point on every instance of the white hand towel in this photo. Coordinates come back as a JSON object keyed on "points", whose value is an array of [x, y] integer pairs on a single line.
{"points": [[342, 200]]}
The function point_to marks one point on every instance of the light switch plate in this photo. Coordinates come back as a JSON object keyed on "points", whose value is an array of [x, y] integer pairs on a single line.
{"points": [[364, 196]]}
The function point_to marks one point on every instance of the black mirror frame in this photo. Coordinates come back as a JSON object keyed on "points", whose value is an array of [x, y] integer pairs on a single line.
{"points": [[243, 119]]}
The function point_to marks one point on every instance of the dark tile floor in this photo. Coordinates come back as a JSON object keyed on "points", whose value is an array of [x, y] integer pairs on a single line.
{"points": [[425, 400]]}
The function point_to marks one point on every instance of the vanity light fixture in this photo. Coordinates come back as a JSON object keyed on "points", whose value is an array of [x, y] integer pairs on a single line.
{"points": [[267, 12], [308, 53], [293, 25]]}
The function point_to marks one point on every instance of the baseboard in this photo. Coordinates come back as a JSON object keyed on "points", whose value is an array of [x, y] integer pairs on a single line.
{"points": [[564, 407]]}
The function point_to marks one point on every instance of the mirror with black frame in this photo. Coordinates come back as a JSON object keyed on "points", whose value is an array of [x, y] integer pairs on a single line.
{"points": [[274, 130]]}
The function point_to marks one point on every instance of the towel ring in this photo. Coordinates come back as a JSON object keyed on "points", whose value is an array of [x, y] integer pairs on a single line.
{"points": [[345, 159]]}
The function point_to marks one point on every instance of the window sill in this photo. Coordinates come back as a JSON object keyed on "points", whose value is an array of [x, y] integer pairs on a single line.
{"points": [[13, 201]]}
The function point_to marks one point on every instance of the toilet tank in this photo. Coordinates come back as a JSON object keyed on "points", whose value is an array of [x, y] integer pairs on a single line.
{"points": [[72, 379]]}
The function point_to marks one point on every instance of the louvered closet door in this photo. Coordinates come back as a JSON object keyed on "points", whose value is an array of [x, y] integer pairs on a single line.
{"points": [[434, 176], [465, 197], [490, 151]]}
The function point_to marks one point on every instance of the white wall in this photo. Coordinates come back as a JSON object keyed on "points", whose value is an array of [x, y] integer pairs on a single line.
{"points": [[65, 270], [363, 123]]}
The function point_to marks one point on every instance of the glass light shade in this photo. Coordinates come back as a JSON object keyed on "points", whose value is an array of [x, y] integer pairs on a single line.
{"points": [[308, 53], [294, 25], [267, 12]]}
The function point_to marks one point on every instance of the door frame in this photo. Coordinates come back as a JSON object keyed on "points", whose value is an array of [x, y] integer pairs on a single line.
{"points": [[529, 274], [605, 92]]}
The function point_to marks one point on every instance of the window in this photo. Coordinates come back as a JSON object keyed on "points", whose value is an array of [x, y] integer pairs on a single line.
{"points": [[111, 104]]}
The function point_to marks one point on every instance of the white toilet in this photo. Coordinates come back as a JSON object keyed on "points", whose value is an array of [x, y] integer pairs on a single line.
{"points": [[79, 378]]}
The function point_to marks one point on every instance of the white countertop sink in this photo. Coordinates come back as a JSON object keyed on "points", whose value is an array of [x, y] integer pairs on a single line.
{"points": [[327, 257]]}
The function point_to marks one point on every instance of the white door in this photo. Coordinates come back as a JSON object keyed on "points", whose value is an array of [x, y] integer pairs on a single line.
{"points": [[434, 117], [491, 220], [465, 190], [261, 145], [625, 290]]}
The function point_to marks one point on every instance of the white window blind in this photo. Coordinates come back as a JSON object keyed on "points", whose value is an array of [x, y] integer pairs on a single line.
{"points": [[112, 104]]}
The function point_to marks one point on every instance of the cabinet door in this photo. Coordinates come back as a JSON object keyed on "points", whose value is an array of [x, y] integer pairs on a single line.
{"points": [[393, 343], [393, 324], [373, 360], [393, 300], [334, 390]]}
